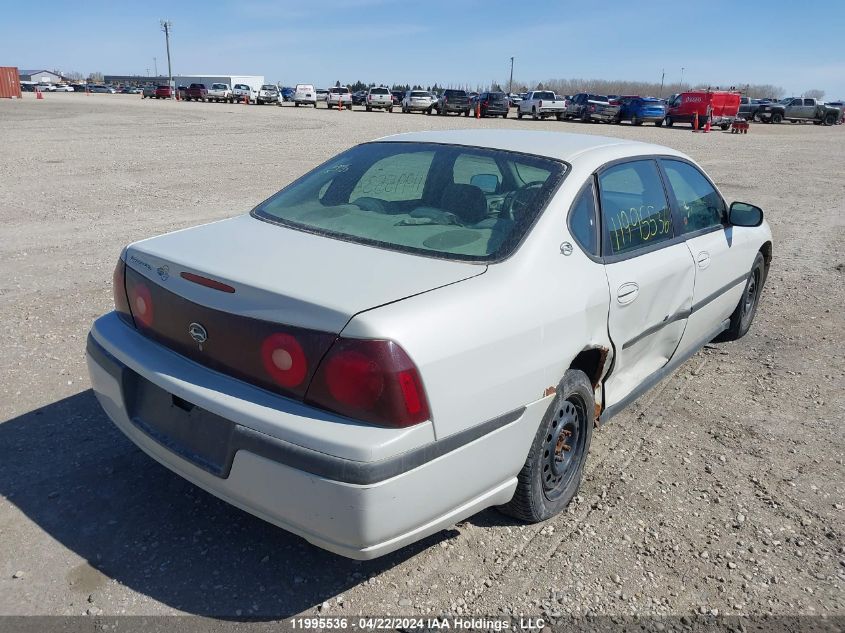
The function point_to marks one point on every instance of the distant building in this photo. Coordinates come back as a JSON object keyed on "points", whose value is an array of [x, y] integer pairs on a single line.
{"points": [[40, 76]]}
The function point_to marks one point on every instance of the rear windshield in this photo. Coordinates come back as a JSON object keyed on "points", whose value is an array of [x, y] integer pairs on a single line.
{"points": [[498, 96], [268, 87], [596, 98], [448, 201], [339, 91], [419, 94], [455, 93], [379, 91], [219, 86], [241, 87], [544, 95]]}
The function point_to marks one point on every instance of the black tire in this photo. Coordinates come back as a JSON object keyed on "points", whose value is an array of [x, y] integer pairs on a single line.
{"points": [[830, 119], [534, 114], [519, 114], [390, 109], [745, 310], [724, 126], [505, 115], [658, 123], [585, 117], [555, 463], [668, 121], [777, 117], [559, 117], [635, 120]]}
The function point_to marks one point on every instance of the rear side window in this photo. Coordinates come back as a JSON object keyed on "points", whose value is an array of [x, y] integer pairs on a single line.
{"points": [[700, 205], [582, 221], [633, 206]]}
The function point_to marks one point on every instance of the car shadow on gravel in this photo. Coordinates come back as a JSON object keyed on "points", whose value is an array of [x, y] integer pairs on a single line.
{"points": [[75, 475]]}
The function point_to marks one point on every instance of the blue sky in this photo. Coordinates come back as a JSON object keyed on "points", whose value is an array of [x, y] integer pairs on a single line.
{"points": [[427, 41]]}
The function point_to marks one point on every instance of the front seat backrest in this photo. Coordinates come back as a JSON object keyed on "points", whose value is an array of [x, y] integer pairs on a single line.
{"points": [[467, 202]]}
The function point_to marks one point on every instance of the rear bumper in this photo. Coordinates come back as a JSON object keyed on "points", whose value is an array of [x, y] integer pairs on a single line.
{"points": [[355, 508]]}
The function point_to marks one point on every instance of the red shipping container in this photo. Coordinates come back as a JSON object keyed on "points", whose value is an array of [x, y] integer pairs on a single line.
{"points": [[10, 84]]}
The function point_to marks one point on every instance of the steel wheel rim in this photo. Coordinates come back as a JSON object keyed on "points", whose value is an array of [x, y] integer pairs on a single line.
{"points": [[750, 297], [562, 446]]}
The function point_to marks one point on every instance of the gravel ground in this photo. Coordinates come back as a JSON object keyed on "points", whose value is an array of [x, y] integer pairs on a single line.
{"points": [[721, 491]]}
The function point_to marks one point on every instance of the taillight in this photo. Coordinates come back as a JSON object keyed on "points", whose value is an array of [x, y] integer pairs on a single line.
{"points": [[591, 108], [121, 303], [140, 301], [370, 380]]}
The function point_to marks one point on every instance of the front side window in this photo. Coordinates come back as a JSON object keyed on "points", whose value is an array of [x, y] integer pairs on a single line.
{"points": [[465, 203], [700, 205], [634, 210]]}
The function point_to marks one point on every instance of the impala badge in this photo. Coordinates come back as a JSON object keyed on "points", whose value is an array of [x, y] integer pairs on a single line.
{"points": [[198, 333]]}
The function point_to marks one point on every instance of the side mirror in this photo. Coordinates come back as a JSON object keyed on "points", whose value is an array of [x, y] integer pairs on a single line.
{"points": [[488, 183], [744, 214]]}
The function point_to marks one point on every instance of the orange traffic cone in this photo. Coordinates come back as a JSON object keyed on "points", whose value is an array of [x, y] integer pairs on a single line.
{"points": [[695, 122], [707, 125], [246, 100], [177, 96], [38, 94], [477, 110]]}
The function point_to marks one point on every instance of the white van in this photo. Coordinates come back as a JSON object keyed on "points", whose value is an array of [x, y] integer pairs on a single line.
{"points": [[305, 94]]}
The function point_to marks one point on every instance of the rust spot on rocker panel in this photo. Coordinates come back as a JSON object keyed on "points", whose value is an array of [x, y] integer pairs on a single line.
{"points": [[550, 391]]}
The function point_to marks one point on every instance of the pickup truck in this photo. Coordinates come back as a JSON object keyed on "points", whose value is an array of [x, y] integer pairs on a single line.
{"points": [[589, 107], [799, 109], [268, 94], [219, 92], [541, 104], [749, 108], [239, 91], [197, 92]]}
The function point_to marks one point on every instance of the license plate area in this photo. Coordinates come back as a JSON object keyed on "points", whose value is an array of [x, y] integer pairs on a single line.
{"points": [[199, 436]]}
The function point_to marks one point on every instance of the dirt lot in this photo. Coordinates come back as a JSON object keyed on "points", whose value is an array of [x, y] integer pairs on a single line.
{"points": [[720, 491]]}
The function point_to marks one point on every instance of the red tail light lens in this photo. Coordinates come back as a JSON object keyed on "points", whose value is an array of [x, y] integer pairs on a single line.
{"points": [[121, 303], [370, 380], [140, 302]]}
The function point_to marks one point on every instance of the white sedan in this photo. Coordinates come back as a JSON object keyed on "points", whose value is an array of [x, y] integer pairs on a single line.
{"points": [[423, 326]]}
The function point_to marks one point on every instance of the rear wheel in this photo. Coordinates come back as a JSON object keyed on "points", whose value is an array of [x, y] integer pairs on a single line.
{"points": [[555, 463], [744, 313], [668, 121], [534, 114], [505, 115], [635, 120], [659, 122], [725, 126], [777, 117], [519, 114], [830, 118]]}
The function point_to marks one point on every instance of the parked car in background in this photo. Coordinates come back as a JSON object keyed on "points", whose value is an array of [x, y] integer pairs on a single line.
{"points": [[287, 93], [380, 99], [45, 87], [322, 94], [163, 92], [268, 93], [351, 392], [149, 92], [639, 110], [800, 110], [589, 107], [241, 92], [749, 108], [397, 96], [721, 105], [102, 89], [196, 92], [76, 87], [182, 92], [541, 104], [491, 104], [339, 96], [359, 97], [453, 101], [418, 101], [304, 94], [219, 92], [63, 88], [514, 99], [840, 105]]}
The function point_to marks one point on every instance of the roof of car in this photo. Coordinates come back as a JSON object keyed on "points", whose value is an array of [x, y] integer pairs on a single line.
{"points": [[558, 145]]}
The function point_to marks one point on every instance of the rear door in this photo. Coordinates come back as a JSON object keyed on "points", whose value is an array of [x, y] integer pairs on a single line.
{"points": [[721, 263], [649, 270]]}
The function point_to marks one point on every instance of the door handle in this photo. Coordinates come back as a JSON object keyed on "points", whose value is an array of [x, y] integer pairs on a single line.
{"points": [[703, 259], [627, 292]]}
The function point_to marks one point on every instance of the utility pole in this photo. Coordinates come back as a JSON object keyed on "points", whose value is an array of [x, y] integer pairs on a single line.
{"points": [[662, 77], [682, 77], [155, 65], [510, 83], [166, 26]]}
